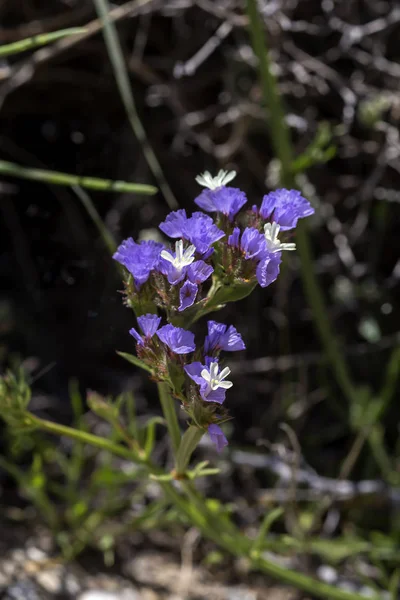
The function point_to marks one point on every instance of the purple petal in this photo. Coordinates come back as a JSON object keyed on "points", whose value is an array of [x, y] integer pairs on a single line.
{"points": [[233, 239], [205, 201], [149, 324], [173, 275], [268, 269], [201, 231], [227, 200], [177, 339], [137, 336], [252, 242], [199, 271], [193, 370], [285, 207], [231, 340], [215, 331], [217, 395], [139, 259], [217, 437], [187, 295], [173, 224]]}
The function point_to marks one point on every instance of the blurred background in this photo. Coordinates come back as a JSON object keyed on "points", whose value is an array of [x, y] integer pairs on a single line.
{"points": [[194, 80]]}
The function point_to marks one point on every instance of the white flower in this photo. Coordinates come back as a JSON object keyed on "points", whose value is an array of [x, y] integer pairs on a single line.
{"points": [[271, 231], [222, 178], [182, 258], [215, 379]]}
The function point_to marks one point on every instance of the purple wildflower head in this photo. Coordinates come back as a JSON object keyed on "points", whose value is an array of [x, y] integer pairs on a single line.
{"points": [[174, 264], [252, 242], [173, 224], [177, 339], [222, 337], [285, 207], [199, 229], [199, 271], [226, 200], [211, 381], [148, 324], [268, 268], [217, 437], [140, 259], [187, 295]]}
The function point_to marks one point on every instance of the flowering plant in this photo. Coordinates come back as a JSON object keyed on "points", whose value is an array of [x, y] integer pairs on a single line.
{"points": [[213, 260]]}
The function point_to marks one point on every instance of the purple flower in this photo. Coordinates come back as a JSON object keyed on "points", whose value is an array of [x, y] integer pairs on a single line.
{"points": [[252, 242], [173, 224], [222, 337], [148, 324], [178, 340], [268, 268], [217, 437], [211, 381], [140, 259], [285, 207], [187, 295], [199, 271], [200, 230], [174, 264], [227, 200]]}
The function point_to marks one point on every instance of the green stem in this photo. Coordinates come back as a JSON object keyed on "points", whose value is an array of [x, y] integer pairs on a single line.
{"points": [[83, 436], [58, 178], [281, 142], [38, 40], [189, 442], [169, 410]]}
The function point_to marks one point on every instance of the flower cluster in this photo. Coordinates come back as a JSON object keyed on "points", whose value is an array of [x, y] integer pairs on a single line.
{"points": [[171, 352], [211, 260]]}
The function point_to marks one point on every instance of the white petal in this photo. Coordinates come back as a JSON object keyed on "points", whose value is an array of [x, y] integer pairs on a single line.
{"points": [[190, 250], [228, 176], [225, 385], [214, 370], [206, 375], [167, 256], [224, 373]]}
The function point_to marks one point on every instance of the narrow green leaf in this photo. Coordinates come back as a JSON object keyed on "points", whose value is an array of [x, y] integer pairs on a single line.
{"points": [[58, 178], [38, 40], [150, 434], [117, 60], [135, 361], [90, 208], [169, 411], [269, 519]]}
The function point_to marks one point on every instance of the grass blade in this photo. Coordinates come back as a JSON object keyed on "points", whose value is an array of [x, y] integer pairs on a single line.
{"points": [[38, 40], [58, 178], [122, 79]]}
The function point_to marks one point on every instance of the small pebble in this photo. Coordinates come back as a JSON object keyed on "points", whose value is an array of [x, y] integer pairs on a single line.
{"points": [[25, 590], [51, 579], [327, 574], [101, 595]]}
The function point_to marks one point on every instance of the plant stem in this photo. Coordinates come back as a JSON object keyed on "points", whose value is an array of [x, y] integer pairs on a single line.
{"points": [[58, 178], [282, 145], [169, 410], [38, 40], [189, 442]]}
